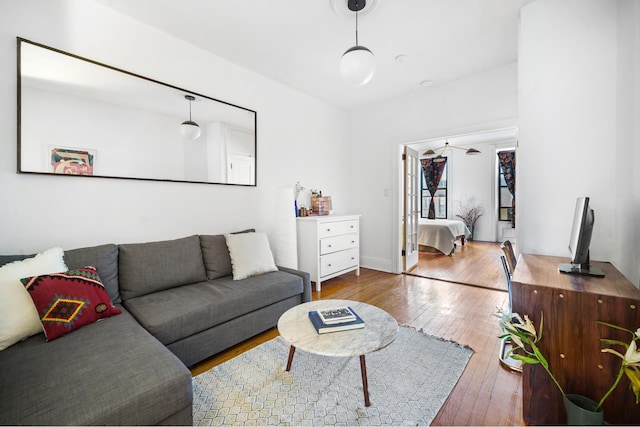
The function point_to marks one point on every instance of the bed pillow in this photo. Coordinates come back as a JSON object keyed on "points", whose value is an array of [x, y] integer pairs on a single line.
{"points": [[250, 254], [67, 301], [19, 319]]}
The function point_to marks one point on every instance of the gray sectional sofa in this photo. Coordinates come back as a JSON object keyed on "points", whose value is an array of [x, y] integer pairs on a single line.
{"points": [[179, 306]]}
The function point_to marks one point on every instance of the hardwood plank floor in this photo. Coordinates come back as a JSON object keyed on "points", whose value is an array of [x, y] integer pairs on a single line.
{"points": [[475, 263], [486, 394]]}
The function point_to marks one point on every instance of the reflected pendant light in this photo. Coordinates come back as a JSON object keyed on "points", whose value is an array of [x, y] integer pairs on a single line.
{"points": [[357, 64], [189, 128]]}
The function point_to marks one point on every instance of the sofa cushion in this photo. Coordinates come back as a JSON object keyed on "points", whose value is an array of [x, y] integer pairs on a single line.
{"points": [[6, 259], [250, 254], [19, 319], [108, 373], [70, 300], [150, 267], [216, 254], [105, 259], [177, 313]]}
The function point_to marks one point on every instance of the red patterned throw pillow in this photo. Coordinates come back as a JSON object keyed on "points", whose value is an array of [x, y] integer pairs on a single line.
{"points": [[68, 301]]}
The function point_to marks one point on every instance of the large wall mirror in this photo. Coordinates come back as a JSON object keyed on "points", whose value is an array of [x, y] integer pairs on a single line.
{"points": [[80, 117]]}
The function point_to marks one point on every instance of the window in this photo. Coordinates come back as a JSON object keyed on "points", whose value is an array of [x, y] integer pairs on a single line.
{"points": [[505, 199], [439, 199]]}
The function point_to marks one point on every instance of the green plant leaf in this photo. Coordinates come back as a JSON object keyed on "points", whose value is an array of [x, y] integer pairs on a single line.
{"points": [[525, 359], [540, 357], [614, 326]]}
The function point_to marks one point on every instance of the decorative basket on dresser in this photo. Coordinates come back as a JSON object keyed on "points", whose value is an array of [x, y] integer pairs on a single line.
{"points": [[328, 246]]}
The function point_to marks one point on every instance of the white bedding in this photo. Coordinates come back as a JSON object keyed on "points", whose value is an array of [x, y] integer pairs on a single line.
{"points": [[441, 233]]}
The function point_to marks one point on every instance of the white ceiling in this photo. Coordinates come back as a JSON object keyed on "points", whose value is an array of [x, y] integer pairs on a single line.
{"points": [[299, 42]]}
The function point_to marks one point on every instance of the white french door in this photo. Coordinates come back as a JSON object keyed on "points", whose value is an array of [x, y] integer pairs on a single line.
{"points": [[411, 207]]}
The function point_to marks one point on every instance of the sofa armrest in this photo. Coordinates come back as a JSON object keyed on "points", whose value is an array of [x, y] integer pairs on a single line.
{"points": [[306, 281]]}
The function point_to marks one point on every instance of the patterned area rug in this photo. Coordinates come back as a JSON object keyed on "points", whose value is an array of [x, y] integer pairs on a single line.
{"points": [[408, 383]]}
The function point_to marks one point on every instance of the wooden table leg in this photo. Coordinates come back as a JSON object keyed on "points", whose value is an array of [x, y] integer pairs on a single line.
{"points": [[365, 384], [292, 350]]}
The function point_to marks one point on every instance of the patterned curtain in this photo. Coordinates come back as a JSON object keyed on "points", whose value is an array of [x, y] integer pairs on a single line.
{"points": [[508, 165], [432, 174]]}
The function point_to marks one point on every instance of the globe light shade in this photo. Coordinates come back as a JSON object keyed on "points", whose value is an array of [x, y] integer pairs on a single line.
{"points": [[357, 65], [190, 129]]}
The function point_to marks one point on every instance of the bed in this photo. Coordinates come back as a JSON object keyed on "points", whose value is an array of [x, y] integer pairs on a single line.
{"points": [[441, 234]]}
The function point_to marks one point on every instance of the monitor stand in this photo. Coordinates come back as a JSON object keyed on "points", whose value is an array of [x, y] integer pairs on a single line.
{"points": [[578, 269]]}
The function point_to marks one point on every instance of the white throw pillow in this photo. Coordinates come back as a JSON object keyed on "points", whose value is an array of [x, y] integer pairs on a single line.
{"points": [[20, 318], [250, 254]]}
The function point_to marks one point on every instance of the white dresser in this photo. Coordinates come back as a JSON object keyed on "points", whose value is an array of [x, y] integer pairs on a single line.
{"points": [[328, 246]]}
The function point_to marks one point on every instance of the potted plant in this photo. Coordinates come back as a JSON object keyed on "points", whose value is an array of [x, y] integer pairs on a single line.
{"points": [[580, 410]]}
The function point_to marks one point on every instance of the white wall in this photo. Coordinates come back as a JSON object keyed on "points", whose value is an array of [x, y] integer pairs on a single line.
{"points": [[298, 137], [482, 102], [626, 248], [473, 181], [634, 207], [578, 71]]}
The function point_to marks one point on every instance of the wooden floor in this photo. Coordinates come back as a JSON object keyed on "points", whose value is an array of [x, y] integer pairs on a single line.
{"points": [[486, 394], [475, 263]]}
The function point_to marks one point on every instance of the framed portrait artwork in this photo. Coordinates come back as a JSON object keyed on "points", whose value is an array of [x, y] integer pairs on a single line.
{"points": [[71, 161]]}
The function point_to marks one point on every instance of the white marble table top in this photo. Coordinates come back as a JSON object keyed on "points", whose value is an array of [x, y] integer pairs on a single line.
{"points": [[379, 331]]}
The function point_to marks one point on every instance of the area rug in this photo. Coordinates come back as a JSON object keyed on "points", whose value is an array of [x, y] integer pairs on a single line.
{"points": [[408, 383]]}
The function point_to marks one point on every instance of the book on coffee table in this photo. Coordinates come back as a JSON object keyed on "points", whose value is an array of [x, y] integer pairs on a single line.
{"points": [[336, 315], [323, 328]]}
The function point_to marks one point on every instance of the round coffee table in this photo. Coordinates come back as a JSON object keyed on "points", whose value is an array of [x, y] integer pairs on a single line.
{"points": [[379, 331]]}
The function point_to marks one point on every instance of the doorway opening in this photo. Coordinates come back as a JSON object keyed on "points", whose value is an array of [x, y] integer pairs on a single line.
{"points": [[470, 178]]}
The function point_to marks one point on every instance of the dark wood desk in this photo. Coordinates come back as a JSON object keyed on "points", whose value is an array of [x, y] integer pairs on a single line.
{"points": [[571, 304]]}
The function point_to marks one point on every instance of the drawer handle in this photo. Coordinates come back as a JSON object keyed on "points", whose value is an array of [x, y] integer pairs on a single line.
{"points": [[353, 241], [328, 229], [352, 226], [353, 257], [329, 246], [328, 265]]}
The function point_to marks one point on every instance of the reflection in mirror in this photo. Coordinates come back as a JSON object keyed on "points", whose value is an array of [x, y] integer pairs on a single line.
{"points": [[79, 117]]}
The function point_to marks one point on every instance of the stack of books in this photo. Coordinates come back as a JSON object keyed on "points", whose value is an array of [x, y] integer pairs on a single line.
{"points": [[335, 319]]}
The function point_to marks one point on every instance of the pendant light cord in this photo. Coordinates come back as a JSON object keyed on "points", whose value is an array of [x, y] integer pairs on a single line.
{"points": [[356, 23]]}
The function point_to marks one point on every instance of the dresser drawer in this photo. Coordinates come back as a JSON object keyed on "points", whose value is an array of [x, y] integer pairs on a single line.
{"points": [[338, 261], [338, 243], [337, 228]]}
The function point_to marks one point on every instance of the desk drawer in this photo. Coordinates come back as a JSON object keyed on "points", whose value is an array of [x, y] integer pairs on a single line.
{"points": [[338, 243], [337, 228], [338, 261]]}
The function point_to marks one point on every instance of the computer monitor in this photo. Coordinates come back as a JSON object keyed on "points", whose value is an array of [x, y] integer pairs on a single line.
{"points": [[579, 241]]}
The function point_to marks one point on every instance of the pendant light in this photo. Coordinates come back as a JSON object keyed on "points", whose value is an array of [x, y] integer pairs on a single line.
{"points": [[357, 64], [440, 158], [189, 128]]}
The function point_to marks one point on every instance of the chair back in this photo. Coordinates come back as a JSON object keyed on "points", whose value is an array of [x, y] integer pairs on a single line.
{"points": [[507, 248], [507, 274]]}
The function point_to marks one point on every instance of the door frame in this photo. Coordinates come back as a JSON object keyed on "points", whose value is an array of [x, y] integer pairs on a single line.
{"points": [[398, 180]]}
